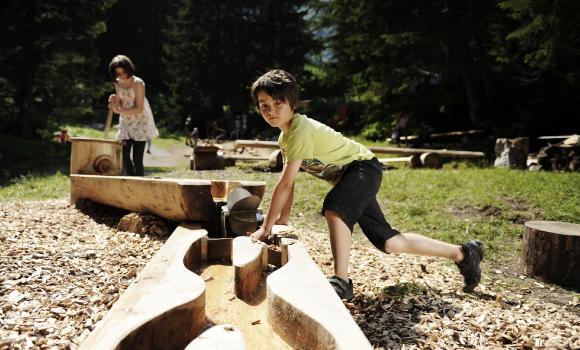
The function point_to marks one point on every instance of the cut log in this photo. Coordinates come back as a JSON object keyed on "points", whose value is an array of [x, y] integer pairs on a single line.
{"points": [[276, 160], [413, 161], [174, 199], [91, 156], [410, 151], [552, 251], [431, 160], [512, 153]]}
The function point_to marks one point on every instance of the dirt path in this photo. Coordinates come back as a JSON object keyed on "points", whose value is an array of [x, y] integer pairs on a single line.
{"points": [[166, 157]]}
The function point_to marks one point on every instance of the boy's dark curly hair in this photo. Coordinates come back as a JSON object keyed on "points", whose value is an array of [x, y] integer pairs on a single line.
{"points": [[280, 85]]}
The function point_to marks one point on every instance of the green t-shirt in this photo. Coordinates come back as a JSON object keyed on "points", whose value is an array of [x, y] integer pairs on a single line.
{"points": [[324, 152]]}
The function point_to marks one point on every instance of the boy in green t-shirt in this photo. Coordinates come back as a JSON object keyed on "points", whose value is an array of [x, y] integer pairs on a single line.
{"points": [[356, 176]]}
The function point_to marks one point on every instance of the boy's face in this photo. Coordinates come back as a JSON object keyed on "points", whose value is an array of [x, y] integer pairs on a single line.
{"points": [[275, 112]]}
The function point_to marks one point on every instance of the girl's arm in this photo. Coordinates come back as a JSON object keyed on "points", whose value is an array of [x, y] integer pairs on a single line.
{"points": [[139, 100], [282, 191]]}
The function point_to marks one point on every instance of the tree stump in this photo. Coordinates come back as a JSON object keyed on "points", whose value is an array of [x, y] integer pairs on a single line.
{"points": [[552, 251], [512, 153]]}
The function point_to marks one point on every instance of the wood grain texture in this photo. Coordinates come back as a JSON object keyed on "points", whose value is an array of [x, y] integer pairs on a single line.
{"points": [[174, 199], [305, 310], [86, 151]]}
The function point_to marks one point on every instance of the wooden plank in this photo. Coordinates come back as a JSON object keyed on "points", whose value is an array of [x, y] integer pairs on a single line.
{"points": [[174, 199], [163, 307], [95, 156], [305, 310]]}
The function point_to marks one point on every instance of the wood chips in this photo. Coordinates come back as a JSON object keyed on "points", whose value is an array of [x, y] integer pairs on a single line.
{"points": [[61, 270]]}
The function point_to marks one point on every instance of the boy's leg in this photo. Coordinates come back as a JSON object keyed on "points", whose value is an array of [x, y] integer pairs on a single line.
{"points": [[413, 243], [340, 239], [467, 256]]}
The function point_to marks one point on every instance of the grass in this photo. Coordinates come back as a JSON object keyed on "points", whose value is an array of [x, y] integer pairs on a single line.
{"points": [[459, 202]]}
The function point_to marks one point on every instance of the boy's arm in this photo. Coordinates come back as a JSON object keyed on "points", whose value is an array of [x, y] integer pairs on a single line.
{"points": [[285, 214], [282, 191]]}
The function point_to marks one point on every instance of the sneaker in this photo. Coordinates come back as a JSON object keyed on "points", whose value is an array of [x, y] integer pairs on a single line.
{"points": [[342, 287], [469, 266]]}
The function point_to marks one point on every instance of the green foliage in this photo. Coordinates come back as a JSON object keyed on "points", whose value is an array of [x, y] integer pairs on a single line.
{"points": [[214, 50], [47, 62], [376, 131]]}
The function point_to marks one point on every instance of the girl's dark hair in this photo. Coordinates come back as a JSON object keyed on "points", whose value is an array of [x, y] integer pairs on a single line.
{"points": [[280, 85], [121, 61]]}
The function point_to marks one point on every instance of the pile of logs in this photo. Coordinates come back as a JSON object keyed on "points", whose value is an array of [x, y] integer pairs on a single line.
{"points": [[561, 156]]}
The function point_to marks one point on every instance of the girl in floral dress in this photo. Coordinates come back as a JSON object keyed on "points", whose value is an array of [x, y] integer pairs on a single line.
{"points": [[136, 123]]}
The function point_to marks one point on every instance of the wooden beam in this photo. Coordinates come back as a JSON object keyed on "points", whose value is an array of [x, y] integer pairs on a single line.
{"points": [[378, 149], [165, 305], [305, 310], [410, 151], [174, 199]]}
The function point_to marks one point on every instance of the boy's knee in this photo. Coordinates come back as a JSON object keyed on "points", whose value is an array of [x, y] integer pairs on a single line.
{"points": [[395, 244]]}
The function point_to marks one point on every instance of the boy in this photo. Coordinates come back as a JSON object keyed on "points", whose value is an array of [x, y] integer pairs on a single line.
{"points": [[356, 175]]}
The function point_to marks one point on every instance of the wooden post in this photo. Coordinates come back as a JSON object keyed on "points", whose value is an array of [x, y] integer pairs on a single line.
{"points": [[552, 251], [108, 123]]}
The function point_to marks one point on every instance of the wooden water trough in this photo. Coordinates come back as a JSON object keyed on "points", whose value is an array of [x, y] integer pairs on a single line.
{"points": [[206, 293]]}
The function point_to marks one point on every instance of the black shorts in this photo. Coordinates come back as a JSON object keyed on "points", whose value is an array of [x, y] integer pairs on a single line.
{"points": [[353, 198]]}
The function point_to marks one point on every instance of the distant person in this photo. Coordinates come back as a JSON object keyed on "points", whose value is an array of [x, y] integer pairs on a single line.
{"points": [[136, 123], [243, 133], [62, 137], [356, 176], [188, 129], [401, 124], [237, 130]]}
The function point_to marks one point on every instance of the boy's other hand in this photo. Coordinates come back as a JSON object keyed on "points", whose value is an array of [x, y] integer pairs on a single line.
{"points": [[260, 234]]}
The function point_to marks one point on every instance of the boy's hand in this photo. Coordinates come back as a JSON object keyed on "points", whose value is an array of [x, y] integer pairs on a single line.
{"points": [[260, 234]]}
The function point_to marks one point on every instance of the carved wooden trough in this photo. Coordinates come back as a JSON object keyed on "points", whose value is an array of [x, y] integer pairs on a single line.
{"points": [[200, 292]]}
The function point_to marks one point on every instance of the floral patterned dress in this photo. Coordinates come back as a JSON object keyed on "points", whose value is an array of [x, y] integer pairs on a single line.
{"points": [[138, 127]]}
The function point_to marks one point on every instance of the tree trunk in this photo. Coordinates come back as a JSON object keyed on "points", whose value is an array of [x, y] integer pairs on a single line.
{"points": [[552, 251]]}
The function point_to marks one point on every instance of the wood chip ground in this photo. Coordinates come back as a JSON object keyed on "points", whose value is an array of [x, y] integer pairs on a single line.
{"points": [[61, 270]]}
